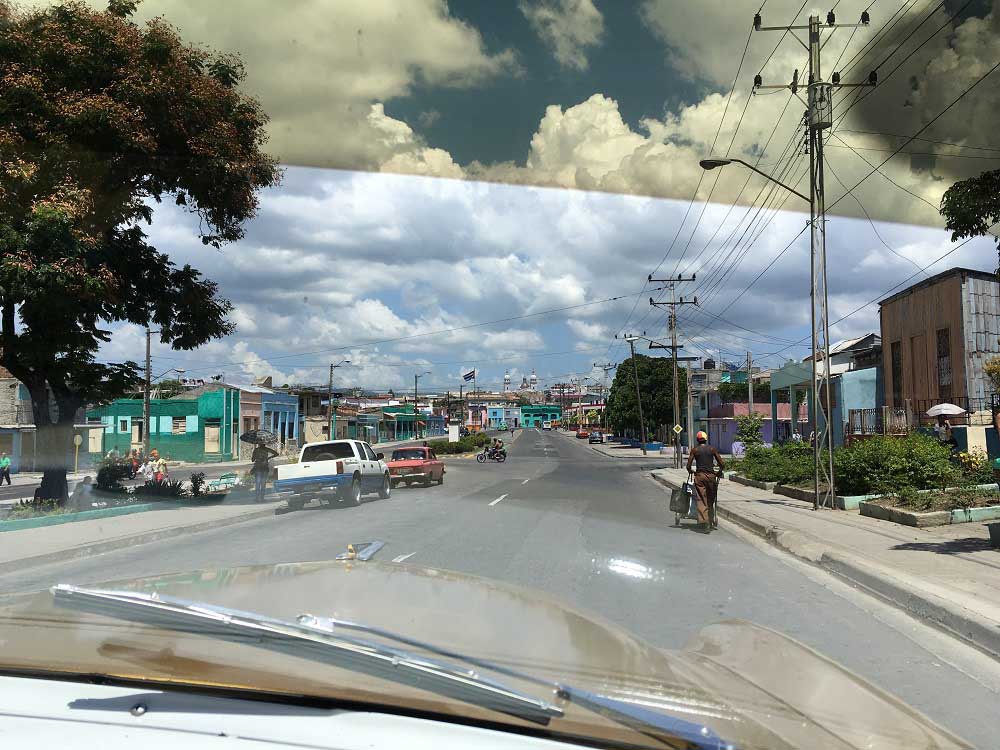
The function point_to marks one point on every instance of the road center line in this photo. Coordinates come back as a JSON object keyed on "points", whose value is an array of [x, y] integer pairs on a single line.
{"points": [[526, 481], [500, 498], [401, 558]]}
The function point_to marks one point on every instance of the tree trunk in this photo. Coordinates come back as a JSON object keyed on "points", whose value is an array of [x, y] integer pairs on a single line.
{"points": [[53, 440]]}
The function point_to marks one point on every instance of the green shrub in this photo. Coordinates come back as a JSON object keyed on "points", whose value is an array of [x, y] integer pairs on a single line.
{"points": [[197, 483], [110, 475], [35, 508], [886, 465], [791, 463], [164, 489], [748, 429]]}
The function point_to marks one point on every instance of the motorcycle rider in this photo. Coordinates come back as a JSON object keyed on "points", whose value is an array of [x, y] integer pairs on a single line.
{"points": [[497, 447]]}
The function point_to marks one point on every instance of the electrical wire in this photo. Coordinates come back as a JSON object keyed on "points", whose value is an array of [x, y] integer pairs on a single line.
{"points": [[922, 129], [924, 140], [872, 223], [902, 62]]}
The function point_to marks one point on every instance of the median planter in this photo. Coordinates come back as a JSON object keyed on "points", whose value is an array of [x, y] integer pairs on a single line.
{"points": [[934, 516], [753, 482]]}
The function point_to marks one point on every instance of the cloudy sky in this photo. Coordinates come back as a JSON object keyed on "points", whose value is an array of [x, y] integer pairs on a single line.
{"points": [[461, 162]]}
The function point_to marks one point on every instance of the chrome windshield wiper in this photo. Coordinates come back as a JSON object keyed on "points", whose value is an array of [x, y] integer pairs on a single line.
{"points": [[641, 719], [305, 641], [324, 639]]}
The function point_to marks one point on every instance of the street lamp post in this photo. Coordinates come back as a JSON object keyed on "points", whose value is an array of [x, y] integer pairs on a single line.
{"points": [[416, 377], [331, 420], [820, 394]]}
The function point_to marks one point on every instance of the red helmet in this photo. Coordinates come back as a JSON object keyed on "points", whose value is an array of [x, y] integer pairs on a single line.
{"points": [[701, 437]]}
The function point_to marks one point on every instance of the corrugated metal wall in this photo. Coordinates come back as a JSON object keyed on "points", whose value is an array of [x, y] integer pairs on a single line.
{"points": [[981, 324]]}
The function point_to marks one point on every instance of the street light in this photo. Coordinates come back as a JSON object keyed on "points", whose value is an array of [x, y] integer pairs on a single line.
{"points": [[817, 242], [709, 164], [416, 377], [331, 422]]}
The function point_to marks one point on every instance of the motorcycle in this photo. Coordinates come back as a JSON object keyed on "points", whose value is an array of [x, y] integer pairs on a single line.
{"points": [[490, 454]]}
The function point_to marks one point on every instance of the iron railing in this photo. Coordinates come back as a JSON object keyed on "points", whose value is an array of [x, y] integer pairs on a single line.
{"points": [[978, 411], [880, 420]]}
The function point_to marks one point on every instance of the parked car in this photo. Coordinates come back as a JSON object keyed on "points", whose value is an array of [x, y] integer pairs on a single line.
{"points": [[582, 434], [546, 425], [409, 465], [333, 471], [596, 437]]}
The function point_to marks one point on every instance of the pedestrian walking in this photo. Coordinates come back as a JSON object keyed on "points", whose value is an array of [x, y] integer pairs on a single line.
{"points": [[159, 466], [5, 468], [703, 458], [261, 458]]}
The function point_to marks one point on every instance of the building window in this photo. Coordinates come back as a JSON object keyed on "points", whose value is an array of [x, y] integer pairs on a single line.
{"points": [[178, 426], [944, 363], [122, 425], [897, 373]]}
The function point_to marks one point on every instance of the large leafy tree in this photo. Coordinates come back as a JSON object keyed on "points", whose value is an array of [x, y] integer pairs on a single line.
{"points": [[100, 119], [656, 388], [971, 207]]}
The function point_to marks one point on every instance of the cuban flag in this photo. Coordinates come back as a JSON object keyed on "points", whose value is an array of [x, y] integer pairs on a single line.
{"points": [[469, 376]]}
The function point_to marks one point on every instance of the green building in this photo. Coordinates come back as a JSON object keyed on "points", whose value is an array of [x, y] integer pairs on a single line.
{"points": [[201, 429], [532, 415]]}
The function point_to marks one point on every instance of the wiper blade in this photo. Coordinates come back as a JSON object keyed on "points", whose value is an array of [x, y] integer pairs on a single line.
{"points": [[306, 641], [639, 718]]}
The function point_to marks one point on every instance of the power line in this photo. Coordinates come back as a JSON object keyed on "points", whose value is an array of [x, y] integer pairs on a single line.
{"points": [[925, 140], [883, 294], [916, 153], [366, 344], [869, 46], [886, 77], [922, 129], [868, 216]]}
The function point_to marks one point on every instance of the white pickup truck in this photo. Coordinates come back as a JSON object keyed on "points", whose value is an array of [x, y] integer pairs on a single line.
{"points": [[335, 470]]}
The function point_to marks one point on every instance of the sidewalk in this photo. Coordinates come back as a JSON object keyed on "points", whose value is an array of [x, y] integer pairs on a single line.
{"points": [[49, 544], [948, 575]]}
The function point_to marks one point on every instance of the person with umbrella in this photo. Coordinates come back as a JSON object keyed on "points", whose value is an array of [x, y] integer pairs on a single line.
{"points": [[261, 460], [943, 426]]}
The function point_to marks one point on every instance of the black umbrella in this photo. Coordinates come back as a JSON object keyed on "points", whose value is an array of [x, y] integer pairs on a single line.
{"points": [[259, 436]]}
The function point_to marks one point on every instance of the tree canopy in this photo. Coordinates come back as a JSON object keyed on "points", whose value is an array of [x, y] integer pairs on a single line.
{"points": [[100, 120], [656, 387], [971, 207]]}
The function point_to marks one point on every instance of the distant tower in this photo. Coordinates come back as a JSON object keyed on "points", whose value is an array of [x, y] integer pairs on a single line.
{"points": [[506, 382], [524, 384], [534, 381]]}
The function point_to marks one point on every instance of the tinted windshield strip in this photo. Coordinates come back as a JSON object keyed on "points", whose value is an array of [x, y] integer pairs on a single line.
{"points": [[356, 655]]}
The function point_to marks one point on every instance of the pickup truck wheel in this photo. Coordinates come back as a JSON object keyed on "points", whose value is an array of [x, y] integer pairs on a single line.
{"points": [[296, 503], [355, 491], [428, 481], [441, 477], [386, 488]]}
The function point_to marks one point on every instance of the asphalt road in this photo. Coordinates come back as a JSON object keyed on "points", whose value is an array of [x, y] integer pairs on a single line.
{"points": [[594, 531]]}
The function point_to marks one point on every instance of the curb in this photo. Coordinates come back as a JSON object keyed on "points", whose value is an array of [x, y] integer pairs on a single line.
{"points": [[979, 632], [110, 545]]}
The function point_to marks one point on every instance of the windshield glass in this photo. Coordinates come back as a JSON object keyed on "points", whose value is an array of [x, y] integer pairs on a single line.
{"points": [[408, 455], [327, 452], [721, 277]]}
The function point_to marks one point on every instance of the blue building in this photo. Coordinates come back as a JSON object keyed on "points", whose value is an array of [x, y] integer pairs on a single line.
{"points": [[280, 414]]}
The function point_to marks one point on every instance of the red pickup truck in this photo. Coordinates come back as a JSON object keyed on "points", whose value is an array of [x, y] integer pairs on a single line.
{"points": [[418, 464]]}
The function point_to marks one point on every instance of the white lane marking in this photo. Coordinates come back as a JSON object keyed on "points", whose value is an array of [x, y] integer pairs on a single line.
{"points": [[525, 481], [500, 498], [401, 558]]}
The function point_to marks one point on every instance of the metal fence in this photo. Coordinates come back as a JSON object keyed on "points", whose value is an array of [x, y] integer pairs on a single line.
{"points": [[978, 411], [881, 420]]}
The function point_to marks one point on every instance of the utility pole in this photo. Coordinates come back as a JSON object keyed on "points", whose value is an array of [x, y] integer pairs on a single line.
{"points": [[331, 409], [604, 394], [331, 419], [638, 397], [749, 384], [672, 304], [145, 394], [819, 116]]}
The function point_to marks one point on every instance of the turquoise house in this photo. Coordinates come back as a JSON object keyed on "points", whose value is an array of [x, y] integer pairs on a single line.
{"points": [[204, 428]]}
